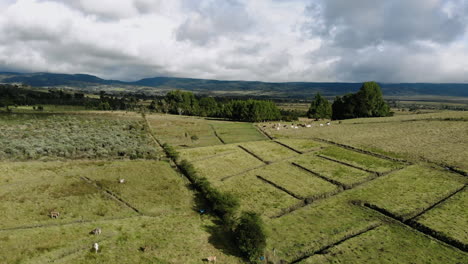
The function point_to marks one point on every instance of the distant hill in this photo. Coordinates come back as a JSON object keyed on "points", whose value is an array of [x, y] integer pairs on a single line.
{"points": [[235, 88]]}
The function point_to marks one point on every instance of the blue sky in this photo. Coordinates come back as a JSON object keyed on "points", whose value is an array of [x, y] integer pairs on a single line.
{"points": [[264, 40]]}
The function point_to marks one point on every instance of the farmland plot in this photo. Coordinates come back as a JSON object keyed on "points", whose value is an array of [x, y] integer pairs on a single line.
{"points": [[269, 151], [234, 132], [409, 191], [450, 218], [310, 228], [196, 154], [293, 179], [153, 188], [45, 136], [219, 167], [343, 174], [29, 194], [256, 195], [390, 244], [302, 145], [360, 160]]}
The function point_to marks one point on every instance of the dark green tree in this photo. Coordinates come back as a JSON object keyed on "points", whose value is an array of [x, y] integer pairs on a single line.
{"points": [[250, 236], [320, 108]]}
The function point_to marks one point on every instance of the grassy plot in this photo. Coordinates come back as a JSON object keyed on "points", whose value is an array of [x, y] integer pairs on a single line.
{"points": [[450, 217], [303, 145], [346, 175], [295, 180], [360, 160], [390, 244], [29, 194], [195, 154], [154, 188], [233, 132], [182, 131], [185, 132], [235, 162], [409, 191], [269, 151], [168, 239], [437, 137], [308, 229], [256, 195], [29, 136]]}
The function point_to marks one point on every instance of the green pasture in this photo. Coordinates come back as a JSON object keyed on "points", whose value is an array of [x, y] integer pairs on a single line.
{"points": [[343, 174], [269, 151], [390, 244]]}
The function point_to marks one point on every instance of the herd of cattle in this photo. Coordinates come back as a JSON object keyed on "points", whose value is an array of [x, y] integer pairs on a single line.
{"points": [[279, 126]]}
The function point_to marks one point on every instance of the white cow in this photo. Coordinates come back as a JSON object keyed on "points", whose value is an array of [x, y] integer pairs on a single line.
{"points": [[328, 123], [308, 126], [121, 180], [211, 259], [96, 247], [321, 125]]}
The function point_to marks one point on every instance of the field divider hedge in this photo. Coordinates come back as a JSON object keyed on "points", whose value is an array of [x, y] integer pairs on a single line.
{"points": [[347, 164], [324, 249], [254, 155], [280, 188], [416, 215], [263, 132], [316, 174], [110, 193], [216, 135], [288, 147], [377, 155], [425, 230]]}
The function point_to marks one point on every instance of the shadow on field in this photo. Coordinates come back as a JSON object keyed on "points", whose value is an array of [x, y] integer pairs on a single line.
{"points": [[222, 239]]}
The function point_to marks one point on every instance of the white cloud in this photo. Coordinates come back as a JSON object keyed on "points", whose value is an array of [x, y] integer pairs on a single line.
{"points": [[267, 40]]}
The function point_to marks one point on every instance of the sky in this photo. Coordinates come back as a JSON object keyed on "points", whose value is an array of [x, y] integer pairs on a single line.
{"points": [[261, 40]]}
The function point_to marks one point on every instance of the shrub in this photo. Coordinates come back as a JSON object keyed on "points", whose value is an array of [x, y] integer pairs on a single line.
{"points": [[250, 236]]}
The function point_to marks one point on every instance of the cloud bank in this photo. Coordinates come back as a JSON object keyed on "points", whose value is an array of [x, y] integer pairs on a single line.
{"points": [[265, 40]]}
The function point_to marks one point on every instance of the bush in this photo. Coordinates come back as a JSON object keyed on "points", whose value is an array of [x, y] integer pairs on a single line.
{"points": [[170, 152], [250, 236]]}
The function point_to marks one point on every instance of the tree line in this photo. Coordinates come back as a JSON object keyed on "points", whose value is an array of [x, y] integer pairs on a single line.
{"points": [[186, 103], [367, 102]]}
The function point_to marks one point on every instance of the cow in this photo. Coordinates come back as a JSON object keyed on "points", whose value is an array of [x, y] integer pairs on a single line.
{"points": [[96, 231], [96, 247], [309, 126], [211, 259], [321, 125], [328, 123], [121, 180], [54, 214]]}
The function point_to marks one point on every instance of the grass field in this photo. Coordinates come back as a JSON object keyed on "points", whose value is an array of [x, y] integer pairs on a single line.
{"points": [[31, 190], [360, 160], [269, 151], [438, 137], [320, 202], [188, 132], [410, 190], [217, 168], [346, 175], [450, 217], [389, 244], [39, 136], [256, 195]]}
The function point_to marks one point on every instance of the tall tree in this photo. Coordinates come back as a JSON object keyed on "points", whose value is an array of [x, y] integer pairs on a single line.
{"points": [[320, 108]]}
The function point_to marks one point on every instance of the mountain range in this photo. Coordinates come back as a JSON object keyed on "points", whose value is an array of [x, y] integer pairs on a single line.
{"points": [[160, 85]]}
